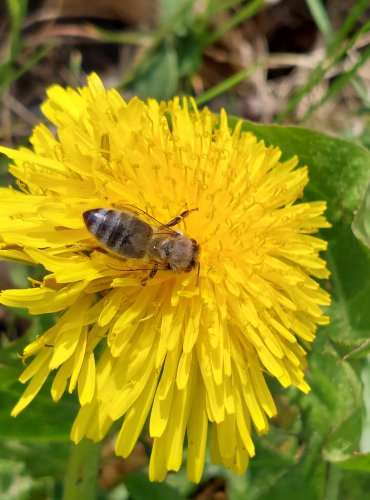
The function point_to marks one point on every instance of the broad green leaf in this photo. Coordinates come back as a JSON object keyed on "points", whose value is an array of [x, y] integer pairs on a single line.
{"points": [[41, 458], [352, 349], [332, 425], [294, 485], [238, 487], [357, 462], [16, 482], [334, 415], [361, 223], [336, 419], [354, 485], [140, 488], [8, 374], [42, 420], [176, 16], [344, 439], [158, 74], [276, 479], [339, 172], [277, 453], [189, 53]]}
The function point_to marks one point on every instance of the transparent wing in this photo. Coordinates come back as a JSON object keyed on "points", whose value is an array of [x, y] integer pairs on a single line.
{"points": [[149, 219]]}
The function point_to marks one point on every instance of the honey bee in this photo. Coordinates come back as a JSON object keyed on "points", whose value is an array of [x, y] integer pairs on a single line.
{"points": [[126, 234]]}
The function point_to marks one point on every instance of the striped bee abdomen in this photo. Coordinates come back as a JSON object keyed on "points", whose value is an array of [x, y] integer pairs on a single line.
{"points": [[118, 231]]}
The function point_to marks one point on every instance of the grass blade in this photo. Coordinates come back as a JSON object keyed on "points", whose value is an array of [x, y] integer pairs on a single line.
{"points": [[339, 83], [225, 85], [321, 18], [244, 13]]}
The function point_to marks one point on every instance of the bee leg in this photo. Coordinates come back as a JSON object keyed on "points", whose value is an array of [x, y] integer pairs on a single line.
{"points": [[198, 272], [180, 217], [151, 275]]}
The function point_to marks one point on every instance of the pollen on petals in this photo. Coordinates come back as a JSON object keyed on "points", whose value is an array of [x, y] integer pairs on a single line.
{"points": [[184, 354]]}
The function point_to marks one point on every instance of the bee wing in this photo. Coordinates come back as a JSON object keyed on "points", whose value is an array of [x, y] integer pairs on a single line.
{"points": [[152, 221], [120, 263]]}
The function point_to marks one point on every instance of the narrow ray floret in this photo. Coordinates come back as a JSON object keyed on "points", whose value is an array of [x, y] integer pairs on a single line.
{"points": [[176, 245]]}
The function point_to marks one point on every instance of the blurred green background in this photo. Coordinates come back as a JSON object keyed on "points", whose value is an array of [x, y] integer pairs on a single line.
{"points": [[300, 62]]}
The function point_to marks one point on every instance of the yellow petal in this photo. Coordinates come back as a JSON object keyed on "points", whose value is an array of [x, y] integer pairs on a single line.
{"points": [[86, 380]]}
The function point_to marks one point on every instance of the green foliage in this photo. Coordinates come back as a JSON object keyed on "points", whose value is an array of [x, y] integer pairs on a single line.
{"points": [[11, 68], [339, 172], [141, 488], [320, 17], [334, 413], [160, 69], [319, 446], [361, 223], [316, 444], [16, 482], [337, 48], [175, 53]]}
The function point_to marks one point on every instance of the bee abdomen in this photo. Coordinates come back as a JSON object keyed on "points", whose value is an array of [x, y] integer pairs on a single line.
{"points": [[120, 232]]}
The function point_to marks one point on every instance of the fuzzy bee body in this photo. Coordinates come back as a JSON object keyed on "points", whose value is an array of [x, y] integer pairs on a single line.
{"points": [[126, 234], [118, 231]]}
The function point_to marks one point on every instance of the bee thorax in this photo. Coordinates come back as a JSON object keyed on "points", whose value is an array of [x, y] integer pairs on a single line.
{"points": [[179, 253]]}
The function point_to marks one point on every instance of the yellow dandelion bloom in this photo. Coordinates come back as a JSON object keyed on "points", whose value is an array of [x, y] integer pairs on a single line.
{"points": [[189, 351]]}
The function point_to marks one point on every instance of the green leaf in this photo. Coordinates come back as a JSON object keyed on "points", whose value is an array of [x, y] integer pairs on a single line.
{"points": [[333, 415], [352, 349], [16, 483], [349, 264], [45, 420], [361, 223], [189, 53], [339, 172], [294, 485], [332, 428], [42, 420], [336, 420], [140, 488], [158, 75], [358, 462], [42, 458], [354, 485], [8, 374], [176, 16], [238, 487]]}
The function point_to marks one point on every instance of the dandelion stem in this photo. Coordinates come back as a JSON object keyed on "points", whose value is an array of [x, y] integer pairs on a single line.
{"points": [[334, 479], [81, 478]]}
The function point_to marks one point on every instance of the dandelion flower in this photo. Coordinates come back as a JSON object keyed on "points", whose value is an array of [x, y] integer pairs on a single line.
{"points": [[188, 354]]}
